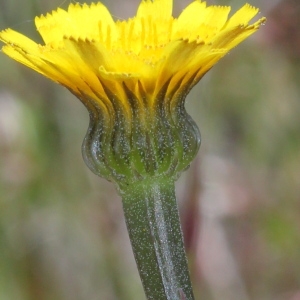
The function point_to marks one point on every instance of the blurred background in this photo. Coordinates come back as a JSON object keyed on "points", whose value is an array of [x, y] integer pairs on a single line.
{"points": [[62, 231]]}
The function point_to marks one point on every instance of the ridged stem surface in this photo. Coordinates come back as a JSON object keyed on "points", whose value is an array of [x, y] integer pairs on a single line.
{"points": [[152, 219]]}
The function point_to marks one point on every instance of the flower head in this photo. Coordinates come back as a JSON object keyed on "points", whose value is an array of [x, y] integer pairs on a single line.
{"points": [[84, 46], [134, 74]]}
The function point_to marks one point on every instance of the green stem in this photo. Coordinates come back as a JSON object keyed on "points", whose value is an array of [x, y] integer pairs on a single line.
{"points": [[153, 224]]}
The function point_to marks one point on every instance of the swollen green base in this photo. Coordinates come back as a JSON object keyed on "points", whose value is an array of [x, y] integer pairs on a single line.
{"points": [[153, 224]]}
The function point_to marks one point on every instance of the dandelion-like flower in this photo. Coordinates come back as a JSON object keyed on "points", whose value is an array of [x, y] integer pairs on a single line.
{"points": [[133, 76]]}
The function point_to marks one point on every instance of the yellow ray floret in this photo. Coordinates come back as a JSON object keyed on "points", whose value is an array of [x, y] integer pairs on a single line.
{"points": [[85, 49]]}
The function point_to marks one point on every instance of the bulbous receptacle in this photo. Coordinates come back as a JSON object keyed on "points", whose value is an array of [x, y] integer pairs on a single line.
{"points": [[147, 138]]}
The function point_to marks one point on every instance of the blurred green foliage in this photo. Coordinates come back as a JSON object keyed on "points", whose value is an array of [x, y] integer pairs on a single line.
{"points": [[62, 233]]}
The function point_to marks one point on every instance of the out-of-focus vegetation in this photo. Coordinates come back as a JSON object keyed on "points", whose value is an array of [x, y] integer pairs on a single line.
{"points": [[62, 232]]}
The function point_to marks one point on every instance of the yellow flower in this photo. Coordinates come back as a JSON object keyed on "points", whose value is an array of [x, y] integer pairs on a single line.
{"points": [[85, 48], [133, 76]]}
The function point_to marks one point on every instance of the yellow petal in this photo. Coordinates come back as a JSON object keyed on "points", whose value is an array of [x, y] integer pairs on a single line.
{"points": [[79, 21], [93, 54], [87, 19], [158, 9], [191, 16], [22, 49], [216, 16], [199, 22], [231, 37], [53, 27], [242, 16], [17, 55], [14, 38]]}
